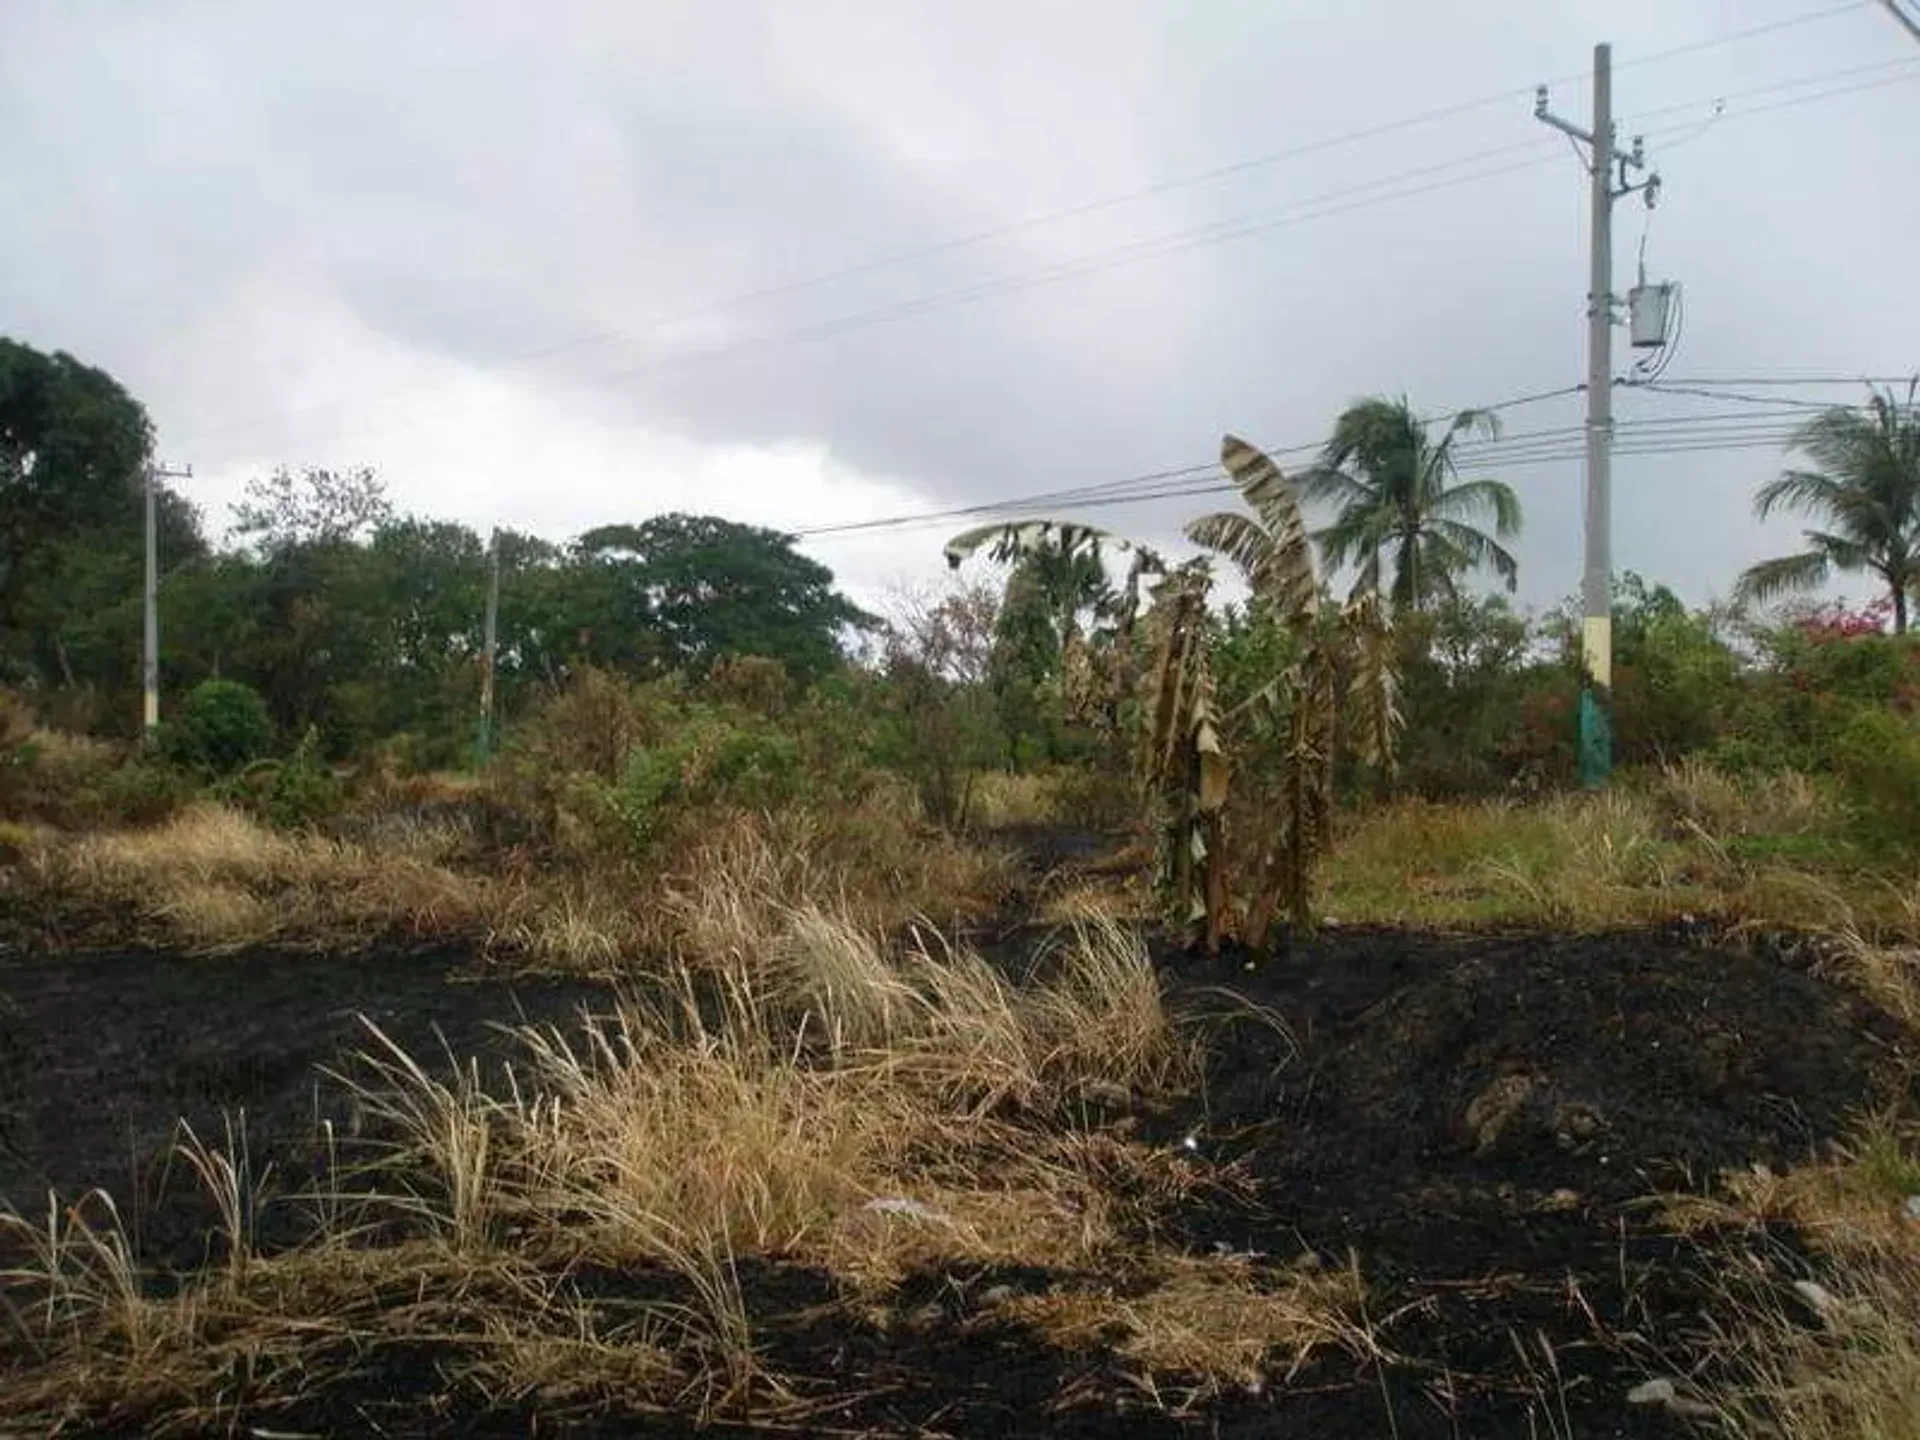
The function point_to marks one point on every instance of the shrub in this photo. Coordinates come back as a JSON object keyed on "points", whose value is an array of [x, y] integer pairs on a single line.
{"points": [[80, 784], [1675, 688], [1468, 691], [297, 791], [752, 682], [221, 725], [708, 758], [611, 766], [1876, 752]]}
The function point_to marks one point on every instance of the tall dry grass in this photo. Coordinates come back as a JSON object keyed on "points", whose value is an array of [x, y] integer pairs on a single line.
{"points": [[766, 1102], [1820, 1340], [214, 880], [1686, 842], [1834, 1355], [819, 1095]]}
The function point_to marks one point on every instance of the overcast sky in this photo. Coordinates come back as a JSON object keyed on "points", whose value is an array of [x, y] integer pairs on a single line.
{"points": [[499, 251]]}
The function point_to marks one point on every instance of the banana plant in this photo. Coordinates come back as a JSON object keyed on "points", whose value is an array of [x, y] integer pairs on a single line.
{"points": [[1182, 753], [1274, 553]]}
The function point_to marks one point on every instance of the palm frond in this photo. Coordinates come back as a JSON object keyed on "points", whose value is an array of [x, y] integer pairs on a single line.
{"points": [[1484, 424], [1324, 484], [1785, 575], [1807, 491], [1355, 536], [1476, 548], [1842, 551], [1476, 498]]}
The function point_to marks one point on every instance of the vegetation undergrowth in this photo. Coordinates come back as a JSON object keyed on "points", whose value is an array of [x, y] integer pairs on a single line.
{"points": [[1686, 842]]}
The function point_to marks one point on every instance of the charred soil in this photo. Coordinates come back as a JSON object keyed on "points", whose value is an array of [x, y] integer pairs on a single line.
{"points": [[1476, 1120]]}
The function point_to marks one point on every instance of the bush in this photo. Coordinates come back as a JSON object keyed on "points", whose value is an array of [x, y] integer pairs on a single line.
{"points": [[710, 758], [79, 784], [298, 791], [1876, 752], [221, 725], [1469, 694], [611, 766], [1676, 688]]}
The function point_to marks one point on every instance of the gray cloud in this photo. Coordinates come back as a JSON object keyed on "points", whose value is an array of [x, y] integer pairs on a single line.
{"points": [[470, 183]]}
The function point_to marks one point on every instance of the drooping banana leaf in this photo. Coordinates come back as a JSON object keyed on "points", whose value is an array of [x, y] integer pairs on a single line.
{"points": [[1271, 548], [1009, 539], [1373, 693]]}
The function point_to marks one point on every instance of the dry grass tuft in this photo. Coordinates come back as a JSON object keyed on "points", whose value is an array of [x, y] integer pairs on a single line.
{"points": [[214, 880], [835, 1103], [1000, 799], [1685, 843], [731, 887], [1835, 1356], [1724, 806], [1201, 1324]]}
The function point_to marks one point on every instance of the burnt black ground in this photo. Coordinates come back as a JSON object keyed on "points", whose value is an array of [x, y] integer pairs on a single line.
{"points": [[1646, 1060], [102, 1055], [1655, 1063]]}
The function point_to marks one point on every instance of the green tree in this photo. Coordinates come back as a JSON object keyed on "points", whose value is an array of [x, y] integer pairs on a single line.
{"points": [[1400, 502], [1865, 491], [314, 507], [1039, 626], [73, 445], [707, 587], [78, 636]]}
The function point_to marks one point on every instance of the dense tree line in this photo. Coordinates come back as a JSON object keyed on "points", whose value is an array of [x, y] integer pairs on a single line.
{"points": [[350, 619], [358, 625]]}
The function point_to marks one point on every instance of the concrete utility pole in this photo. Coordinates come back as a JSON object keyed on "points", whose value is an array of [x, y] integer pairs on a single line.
{"points": [[150, 651], [1596, 587], [490, 647], [1912, 25]]}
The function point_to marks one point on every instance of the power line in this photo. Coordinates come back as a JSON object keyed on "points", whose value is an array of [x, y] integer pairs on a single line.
{"points": [[1651, 435], [1048, 218], [1768, 28], [1098, 490], [1736, 397], [1789, 381], [1318, 207], [1654, 435], [1563, 449], [1541, 448], [1566, 454]]}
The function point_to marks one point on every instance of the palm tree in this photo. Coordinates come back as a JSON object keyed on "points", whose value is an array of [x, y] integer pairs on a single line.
{"points": [[1398, 490], [1866, 491]]}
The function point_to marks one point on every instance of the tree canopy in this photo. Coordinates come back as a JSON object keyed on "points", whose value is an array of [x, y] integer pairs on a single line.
{"points": [[1400, 503], [1864, 494], [347, 616], [73, 446]]}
